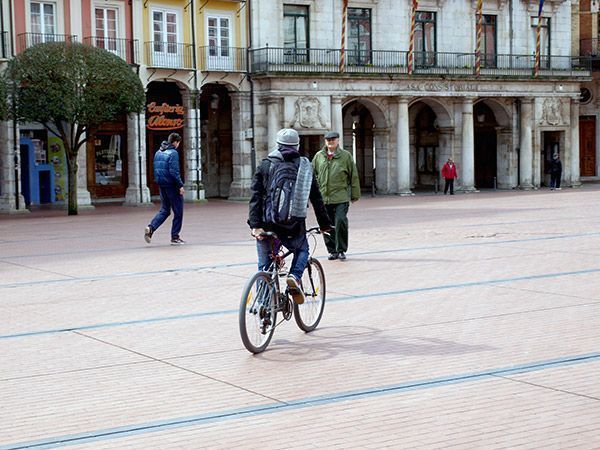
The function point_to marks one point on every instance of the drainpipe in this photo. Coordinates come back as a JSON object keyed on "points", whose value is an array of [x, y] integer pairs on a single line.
{"points": [[14, 118], [12, 33], [510, 26], [196, 101], [248, 71], [2, 28]]}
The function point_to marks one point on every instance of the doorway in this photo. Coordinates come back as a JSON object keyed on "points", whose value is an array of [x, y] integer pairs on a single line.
{"points": [[587, 146], [486, 163]]}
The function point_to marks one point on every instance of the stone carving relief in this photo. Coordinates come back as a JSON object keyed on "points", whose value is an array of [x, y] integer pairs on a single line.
{"points": [[552, 112], [308, 113]]}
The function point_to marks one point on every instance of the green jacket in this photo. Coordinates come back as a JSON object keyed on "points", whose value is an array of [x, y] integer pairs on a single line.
{"points": [[337, 177]]}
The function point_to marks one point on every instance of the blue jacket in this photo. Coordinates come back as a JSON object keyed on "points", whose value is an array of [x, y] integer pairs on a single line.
{"points": [[166, 166]]}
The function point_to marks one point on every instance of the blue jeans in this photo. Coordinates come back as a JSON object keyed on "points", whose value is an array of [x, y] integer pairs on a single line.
{"points": [[170, 199], [263, 248]]}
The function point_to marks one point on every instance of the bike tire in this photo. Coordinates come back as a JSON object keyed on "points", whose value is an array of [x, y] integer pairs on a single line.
{"points": [[308, 315], [257, 306]]}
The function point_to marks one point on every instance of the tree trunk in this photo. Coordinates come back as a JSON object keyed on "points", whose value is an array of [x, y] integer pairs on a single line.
{"points": [[72, 165]]}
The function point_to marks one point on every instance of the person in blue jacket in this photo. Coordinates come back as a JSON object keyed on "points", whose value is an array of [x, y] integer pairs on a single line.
{"points": [[168, 178]]}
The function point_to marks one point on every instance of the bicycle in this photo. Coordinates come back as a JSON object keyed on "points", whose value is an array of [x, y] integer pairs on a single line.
{"points": [[262, 298]]}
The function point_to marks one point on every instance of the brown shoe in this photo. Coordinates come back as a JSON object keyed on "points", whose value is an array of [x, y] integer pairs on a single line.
{"points": [[295, 289]]}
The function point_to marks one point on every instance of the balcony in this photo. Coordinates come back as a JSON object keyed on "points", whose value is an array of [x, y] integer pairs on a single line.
{"points": [[222, 59], [169, 55], [382, 62], [126, 49], [26, 40], [5, 43]]}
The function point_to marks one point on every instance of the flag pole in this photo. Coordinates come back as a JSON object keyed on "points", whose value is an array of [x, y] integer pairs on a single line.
{"points": [[538, 29], [411, 43], [479, 29], [343, 46]]}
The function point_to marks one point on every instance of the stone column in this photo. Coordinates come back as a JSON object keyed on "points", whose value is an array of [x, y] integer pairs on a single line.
{"points": [[84, 198], [273, 122], [403, 149], [575, 162], [337, 119], [468, 146], [242, 147], [526, 153], [10, 202], [137, 193], [382, 160], [194, 189]]}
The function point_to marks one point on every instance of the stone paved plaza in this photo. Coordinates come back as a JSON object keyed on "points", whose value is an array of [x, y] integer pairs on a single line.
{"points": [[468, 321]]}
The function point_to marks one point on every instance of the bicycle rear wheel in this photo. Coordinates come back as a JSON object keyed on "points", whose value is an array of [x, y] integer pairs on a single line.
{"points": [[308, 315], [257, 315]]}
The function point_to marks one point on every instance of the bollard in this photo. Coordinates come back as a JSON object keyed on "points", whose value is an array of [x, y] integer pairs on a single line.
{"points": [[435, 186], [495, 187]]}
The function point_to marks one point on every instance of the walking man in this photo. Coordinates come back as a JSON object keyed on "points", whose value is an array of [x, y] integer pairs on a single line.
{"points": [[338, 180], [168, 178], [555, 172], [449, 175]]}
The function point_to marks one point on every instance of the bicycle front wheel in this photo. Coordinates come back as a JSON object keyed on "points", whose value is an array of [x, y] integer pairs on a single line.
{"points": [[257, 314], [308, 315]]}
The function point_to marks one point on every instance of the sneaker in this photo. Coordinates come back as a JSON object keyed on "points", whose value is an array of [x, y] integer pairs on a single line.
{"points": [[332, 256], [559, 189], [148, 232], [295, 289], [177, 241], [342, 256]]}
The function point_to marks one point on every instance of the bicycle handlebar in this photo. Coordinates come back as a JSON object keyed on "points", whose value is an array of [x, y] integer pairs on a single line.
{"points": [[315, 230]]}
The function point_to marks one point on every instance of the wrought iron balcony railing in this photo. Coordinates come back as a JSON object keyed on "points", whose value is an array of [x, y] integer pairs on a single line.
{"points": [[26, 40], [169, 55], [126, 49], [5, 42], [293, 60], [222, 59]]}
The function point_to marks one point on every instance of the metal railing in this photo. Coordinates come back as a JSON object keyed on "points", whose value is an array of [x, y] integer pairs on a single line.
{"points": [[5, 42], [292, 60], [126, 49], [26, 40], [169, 55], [222, 59]]}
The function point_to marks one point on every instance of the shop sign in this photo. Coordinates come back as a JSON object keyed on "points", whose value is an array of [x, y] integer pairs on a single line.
{"points": [[165, 116]]}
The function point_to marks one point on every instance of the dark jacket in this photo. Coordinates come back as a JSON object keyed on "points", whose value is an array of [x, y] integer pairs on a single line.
{"points": [[259, 192], [555, 166], [166, 166]]}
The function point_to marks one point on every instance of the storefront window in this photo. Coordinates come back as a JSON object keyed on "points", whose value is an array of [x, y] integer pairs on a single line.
{"points": [[108, 159]]}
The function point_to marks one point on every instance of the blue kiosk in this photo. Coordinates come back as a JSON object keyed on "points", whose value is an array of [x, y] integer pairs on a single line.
{"points": [[37, 177]]}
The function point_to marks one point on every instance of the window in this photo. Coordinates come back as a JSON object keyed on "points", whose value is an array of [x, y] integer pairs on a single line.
{"points": [[359, 36], [219, 38], [488, 41], [425, 39], [106, 28], [43, 22], [295, 33], [164, 29], [544, 39]]}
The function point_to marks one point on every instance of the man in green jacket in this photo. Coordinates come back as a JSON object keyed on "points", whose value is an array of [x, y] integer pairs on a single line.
{"points": [[338, 179]]}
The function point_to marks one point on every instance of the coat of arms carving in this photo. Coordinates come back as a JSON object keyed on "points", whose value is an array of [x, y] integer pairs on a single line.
{"points": [[552, 111], [308, 113]]}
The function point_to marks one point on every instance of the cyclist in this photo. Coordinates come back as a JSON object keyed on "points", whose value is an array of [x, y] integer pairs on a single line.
{"points": [[293, 236]]}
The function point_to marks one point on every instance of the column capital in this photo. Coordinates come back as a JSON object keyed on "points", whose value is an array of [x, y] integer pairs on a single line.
{"points": [[402, 99], [336, 99], [527, 100], [272, 100], [469, 99]]}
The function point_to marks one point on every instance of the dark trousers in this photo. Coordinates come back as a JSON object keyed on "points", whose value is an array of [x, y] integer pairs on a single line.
{"points": [[555, 179], [337, 241], [449, 184], [170, 199]]}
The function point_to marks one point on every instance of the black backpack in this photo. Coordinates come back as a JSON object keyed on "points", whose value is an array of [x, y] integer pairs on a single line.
{"points": [[280, 187]]}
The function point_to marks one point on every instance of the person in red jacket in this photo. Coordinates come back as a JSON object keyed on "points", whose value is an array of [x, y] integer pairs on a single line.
{"points": [[449, 174]]}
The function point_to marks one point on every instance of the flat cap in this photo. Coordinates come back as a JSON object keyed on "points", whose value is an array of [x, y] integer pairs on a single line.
{"points": [[332, 135]]}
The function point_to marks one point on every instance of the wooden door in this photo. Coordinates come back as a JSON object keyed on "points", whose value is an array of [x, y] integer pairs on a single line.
{"points": [[587, 146]]}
